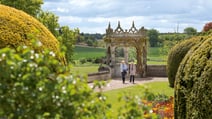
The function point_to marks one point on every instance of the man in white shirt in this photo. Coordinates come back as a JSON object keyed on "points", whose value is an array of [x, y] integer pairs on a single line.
{"points": [[123, 69]]}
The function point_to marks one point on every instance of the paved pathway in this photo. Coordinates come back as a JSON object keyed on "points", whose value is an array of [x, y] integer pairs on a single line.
{"points": [[117, 82]]}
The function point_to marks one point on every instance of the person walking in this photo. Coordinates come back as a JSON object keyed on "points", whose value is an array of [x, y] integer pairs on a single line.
{"points": [[132, 71], [123, 69]]}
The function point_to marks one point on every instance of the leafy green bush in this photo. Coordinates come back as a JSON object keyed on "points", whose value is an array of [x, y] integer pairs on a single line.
{"points": [[34, 85], [193, 86], [176, 55]]}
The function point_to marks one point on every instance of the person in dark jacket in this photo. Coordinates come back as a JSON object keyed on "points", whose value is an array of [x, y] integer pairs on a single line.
{"points": [[123, 69]]}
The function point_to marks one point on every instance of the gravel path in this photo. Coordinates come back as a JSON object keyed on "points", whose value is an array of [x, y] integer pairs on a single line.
{"points": [[117, 82]]}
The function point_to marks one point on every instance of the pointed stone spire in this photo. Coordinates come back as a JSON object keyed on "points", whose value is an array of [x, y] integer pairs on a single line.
{"points": [[133, 25], [109, 26], [119, 24]]}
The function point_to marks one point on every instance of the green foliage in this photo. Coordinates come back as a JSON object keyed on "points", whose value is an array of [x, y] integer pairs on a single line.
{"points": [[176, 55], [50, 20], [132, 54], [18, 28], [193, 86], [190, 31], [167, 45], [68, 38], [153, 37], [156, 91], [90, 39], [64, 34], [37, 85], [172, 36], [132, 107], [31, 7]]}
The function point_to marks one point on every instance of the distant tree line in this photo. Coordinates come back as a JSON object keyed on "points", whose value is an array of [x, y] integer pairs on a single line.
{"points": [[90, 39]]}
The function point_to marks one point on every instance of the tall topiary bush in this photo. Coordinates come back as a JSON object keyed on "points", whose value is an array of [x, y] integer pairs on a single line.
{"points": [[177, 54], [18, 28], [193, 86]]}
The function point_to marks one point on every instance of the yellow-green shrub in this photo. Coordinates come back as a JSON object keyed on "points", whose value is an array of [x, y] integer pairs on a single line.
{"points": [[193, 85], [18, 28], [177, 54]]}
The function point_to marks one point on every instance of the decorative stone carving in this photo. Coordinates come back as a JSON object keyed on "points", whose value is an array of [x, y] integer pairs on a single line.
{"points": [[128, 38]]}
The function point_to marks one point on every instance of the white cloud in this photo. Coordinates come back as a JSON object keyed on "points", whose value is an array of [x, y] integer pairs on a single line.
{"points": [[164, 15], [81, 3], [62, 10]]}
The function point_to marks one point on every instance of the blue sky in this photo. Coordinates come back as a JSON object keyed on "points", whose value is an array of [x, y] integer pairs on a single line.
{"points": [[93, 16]]}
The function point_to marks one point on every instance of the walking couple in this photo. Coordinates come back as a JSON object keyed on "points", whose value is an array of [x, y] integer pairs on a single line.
{"points": [[132, 70]]}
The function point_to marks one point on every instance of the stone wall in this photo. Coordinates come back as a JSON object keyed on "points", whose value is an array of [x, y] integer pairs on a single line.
{"points": [[103, 75], [152, 71], [156, 71]]}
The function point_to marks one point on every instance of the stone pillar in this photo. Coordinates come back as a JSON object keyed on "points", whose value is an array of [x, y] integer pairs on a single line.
{"points": [[113, 58], [113, 63], [144, 58], [126, 54], [108, 54]]}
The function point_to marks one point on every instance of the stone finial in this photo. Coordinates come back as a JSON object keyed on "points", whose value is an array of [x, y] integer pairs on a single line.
{"points": [[109, 27], [133, 28], [109, 30], [119, 29], [133, 24], [119, 24]]}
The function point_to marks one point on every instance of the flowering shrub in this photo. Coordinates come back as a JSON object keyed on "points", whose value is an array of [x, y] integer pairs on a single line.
{"points": [[36, 85], [207, 27], [163, 109], [150, 106]]}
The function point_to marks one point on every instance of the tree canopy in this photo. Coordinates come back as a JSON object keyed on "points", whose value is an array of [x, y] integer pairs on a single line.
{"points": [[31, 7], [153, 37], [190, 31]]}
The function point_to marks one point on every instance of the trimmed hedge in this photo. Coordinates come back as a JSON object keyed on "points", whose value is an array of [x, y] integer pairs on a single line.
{"points": [[176, 55], [18, 28], [193, 85]]}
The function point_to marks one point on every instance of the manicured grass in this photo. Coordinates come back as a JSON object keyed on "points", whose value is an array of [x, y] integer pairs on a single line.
{"points": [[156, 63], [154, 56], [154, 87], [88, 52], [86, 69]]}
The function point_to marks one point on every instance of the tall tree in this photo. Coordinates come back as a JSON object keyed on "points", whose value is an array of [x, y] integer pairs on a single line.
{"points": [[68, 38], [31, 7], [50, 20], [153, 37], [190, 31]]}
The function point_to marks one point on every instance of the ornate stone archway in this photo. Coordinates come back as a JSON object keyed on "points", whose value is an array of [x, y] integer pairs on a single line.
{"points": [[126, 38]]}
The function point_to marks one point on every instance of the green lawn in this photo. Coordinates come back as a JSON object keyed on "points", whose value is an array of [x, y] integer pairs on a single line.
{"points": [[85, 69], [154, 57], [88, 52], [154, 87]]}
